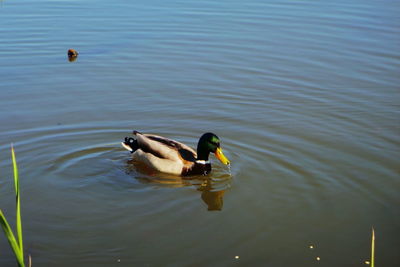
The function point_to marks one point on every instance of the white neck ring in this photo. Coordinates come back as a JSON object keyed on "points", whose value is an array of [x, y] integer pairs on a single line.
{"points": [[203, 162]]}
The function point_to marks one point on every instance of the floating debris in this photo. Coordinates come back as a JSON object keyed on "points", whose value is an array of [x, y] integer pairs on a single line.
{"points": [[237, 257], [311, 247], [367, 262], [72, 55], [318, 258]]}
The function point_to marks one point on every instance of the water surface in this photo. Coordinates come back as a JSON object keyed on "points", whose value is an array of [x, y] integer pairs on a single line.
{"points": [[303, 94]]}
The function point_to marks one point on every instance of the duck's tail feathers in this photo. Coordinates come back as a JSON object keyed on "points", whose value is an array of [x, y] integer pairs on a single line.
{"points": [[130, 144]]}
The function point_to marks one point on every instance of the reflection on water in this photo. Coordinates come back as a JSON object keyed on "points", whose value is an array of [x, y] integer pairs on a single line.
{"points": [[304, 95], [72, 58], [212, 187], [213, 198]]}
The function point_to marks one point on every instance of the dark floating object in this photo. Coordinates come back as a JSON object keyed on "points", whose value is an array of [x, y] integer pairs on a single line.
{"points": [[72, 55]]}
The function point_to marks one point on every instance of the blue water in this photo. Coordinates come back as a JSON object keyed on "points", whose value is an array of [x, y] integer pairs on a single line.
{"points": [[304, 96]]}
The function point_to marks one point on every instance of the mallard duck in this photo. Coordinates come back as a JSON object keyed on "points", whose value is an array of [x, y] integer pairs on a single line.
{"points": [[170, 156]]}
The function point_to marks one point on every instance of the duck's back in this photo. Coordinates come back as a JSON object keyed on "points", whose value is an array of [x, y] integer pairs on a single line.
{"points": [[165, 148]]}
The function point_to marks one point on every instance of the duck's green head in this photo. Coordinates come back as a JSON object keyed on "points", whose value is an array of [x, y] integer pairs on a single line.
{"points": [[209, 142]]}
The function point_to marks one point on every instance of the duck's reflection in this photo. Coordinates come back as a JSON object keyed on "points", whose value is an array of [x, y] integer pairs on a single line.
{"points": [[211, 196], [212, 190]]}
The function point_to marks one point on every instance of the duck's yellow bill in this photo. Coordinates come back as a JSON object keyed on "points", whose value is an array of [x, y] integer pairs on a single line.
{"points": [[221, 157]]}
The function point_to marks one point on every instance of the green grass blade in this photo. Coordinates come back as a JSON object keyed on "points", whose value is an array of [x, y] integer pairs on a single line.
{"points": [[373, 248], [15, 168], [11, 239], [18, 211]]}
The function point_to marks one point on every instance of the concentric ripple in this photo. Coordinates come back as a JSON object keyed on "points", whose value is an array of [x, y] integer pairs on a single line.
{"points": [[304, 96]]}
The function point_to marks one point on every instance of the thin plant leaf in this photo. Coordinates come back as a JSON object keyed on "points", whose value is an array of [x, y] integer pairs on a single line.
{"points": [[11, 239], [15, 169], [373, 248], [18, 211]]}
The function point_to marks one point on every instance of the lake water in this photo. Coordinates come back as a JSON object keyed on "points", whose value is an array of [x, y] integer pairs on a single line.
{"points": [[304, 95]]}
